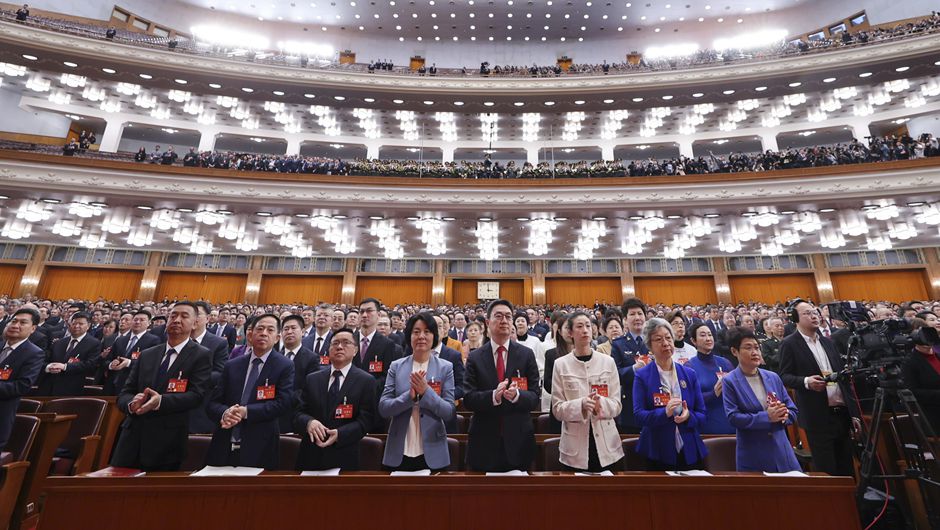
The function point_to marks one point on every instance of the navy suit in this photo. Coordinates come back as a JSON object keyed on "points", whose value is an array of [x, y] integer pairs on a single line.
{"points": [[624, 351], [260, 431], [310, 342], [305, 363], [658, 437], [715, 328], [384, 350], [114, 381], [25, 363], [358, 390], [71, 381], [228, 333], [199, 422]]}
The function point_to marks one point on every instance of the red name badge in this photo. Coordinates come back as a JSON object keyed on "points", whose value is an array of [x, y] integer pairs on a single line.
{"points": [[660, 399], [135, 354], [74, 360], [683, 360], [265, 392], [435, 386], [176, 386], [343, 412], [5, 373], [644, 358], [375, 367], [721, 374], [324, 360], [521, 383], [772, 399], [600, 390]]}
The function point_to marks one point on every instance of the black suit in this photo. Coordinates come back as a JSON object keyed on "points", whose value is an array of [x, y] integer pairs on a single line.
{"points": [[384, 350], [157, 440], [199, 422], [40, 339], [924, 381], [228, 333], [827, 428], [358, 390], [452, 355], [25, 363], [550, 357], [305, 363], [501, 437], [71, 381], [310, 342], [114, 381]]}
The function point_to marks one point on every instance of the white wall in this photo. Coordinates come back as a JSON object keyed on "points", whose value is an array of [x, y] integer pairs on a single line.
{"points": [[924, 124], [13, 119]]}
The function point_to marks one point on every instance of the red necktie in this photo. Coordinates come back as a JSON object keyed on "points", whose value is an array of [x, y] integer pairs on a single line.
{"points": [[500, 364]]}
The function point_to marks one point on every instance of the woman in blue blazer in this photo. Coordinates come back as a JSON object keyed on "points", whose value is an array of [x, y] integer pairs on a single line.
{"points": [[759, 407], [710, 369], [667, 405], [419, 399]]}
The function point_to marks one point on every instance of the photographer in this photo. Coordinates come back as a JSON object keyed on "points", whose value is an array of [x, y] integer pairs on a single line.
{"points": [[921, 373]]}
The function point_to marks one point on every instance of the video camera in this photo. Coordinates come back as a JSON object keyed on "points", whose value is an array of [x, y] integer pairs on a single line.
{"points": [[875, 347]]}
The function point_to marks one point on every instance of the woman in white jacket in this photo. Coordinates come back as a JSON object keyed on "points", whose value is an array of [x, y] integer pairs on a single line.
{"points": [[586, 399]]}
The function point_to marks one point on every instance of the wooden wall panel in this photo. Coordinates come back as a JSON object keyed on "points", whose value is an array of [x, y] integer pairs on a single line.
{"points": [[10, 276], [583, 291], [465, 291], [88, 283], [213, 287], [392, 290], [307, 290], [677, 290], [896, 286], [772, 288]]}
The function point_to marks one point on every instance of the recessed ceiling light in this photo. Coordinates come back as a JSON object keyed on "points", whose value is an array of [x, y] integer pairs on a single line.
{"points": [[795, 84], [448, 218], [787, 212], [599, 218], [697, 95], [829, 79], [184, 210], [376, 217], [608, 101], [673, 216], [522, 219], [29, 57], [248, 90], [865, 74], [561, 219], [224, 212], [145, 76], [488, 103], [637, 100], [936, 63], [915, 204], [398, 101], [549, 103], [519, 103], [712, 215], [181, 81], [278, 92], [50, 201], [760, 88], [70, 64], [902, 68], [728, 92], [339, 216], [579, 102], [215, 85], [458, 103], [667, 98], [339, 98], [144, 207], [99, 204], [826, 210], [109, 70], [263, 214], [309, 96], [301, 215], [428, 102]]}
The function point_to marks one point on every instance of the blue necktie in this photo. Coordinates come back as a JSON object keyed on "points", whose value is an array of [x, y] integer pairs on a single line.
{"points": [[247, 392], [333, 392], [165, 367]]}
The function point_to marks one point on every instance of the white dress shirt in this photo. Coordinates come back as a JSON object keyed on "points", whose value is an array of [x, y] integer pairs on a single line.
{"points": [[819, 353], [342, 380]]}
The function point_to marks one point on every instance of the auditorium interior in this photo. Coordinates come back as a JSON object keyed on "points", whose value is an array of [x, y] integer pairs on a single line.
{"points": [[711, 158]]}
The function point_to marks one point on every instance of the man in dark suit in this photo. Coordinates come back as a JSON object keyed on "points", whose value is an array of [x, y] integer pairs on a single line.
{"points": [[453, 356], [336, 409], [713, 321], [167, 382], [305, 362], [71, 360], [376, 352], [96, 329], [536, 328], [806, 358], [502, 389], [459, 331], [125, 352], [318, 339], [199, 422], [629, 352], [223, 329], [20, 364], [254, 392]]}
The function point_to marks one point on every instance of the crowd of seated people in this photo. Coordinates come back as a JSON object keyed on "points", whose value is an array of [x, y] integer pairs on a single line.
{"points": [[712, 354], [701, 58]]}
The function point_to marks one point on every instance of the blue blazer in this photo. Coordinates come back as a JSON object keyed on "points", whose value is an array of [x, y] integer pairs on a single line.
{"points": [[658, 437], [260, 431], [435, 410], [624, 351], [706, 371], [762, 446], [26, 363]]}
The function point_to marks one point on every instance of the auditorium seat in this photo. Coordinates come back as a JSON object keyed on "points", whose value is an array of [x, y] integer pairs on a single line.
{"points": [[11, 482], [453, 449], [550, 455], [78, 450], [631, 460], [196, 450], [28, 406], [721, 454], [288, 448], [370, 453], [463, 424], [22, 437]]}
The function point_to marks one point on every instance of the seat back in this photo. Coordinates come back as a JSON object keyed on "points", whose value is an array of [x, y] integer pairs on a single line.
{"points": [[463, 423], [453, 449], [28, 406], [370, 453], [632, 461], [197, 448], [721, 454], [90, 414], [22, 437], [288, 447], [550, 455]]}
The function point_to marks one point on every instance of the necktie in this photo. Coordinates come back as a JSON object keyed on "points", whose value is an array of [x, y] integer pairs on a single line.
{"points": [[165, 366], [131, 343], [500, 364], [333, 392], [459, 335], [247, 392], [219, 329], [5, 353], [316, 348], [363, 348], [290, 355], [72, 344]]}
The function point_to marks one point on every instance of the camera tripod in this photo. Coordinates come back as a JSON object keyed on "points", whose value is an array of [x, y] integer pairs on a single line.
{"points": [[918, 465]]}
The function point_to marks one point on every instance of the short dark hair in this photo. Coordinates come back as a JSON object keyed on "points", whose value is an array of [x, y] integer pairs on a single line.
{"points": [[81, 314], [394, 314], [345, 330], [569, 322], [520, 314], [186, 303], [693, 331], [276, 318], [33, 313], [632, 303], [428, 319], [142, 312], [494, 303], [299, 319], [158, 318], [737, 335], [610, 319], [378, 305], [205, 306]]}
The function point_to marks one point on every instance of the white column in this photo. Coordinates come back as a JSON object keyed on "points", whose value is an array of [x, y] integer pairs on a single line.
{"points": [[207, 139], [685, 148], [447, 153], [293, 145], [111, 138], [859, 130], [532, 155], [769, 142], [607, 152], [372, 151]]}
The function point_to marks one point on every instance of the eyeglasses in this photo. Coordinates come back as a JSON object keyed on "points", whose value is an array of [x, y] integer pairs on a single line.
{"points": [[501, 316], [341, 343]]}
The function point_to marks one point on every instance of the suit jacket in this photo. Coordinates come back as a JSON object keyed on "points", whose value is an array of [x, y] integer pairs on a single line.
{"points": [[260, 430], [924, 381], [228, 333], [453, 334], [157, 440], [114, 381], [396, 404], [625, 350], [796, 363], [218, 346], [159, 332], [762, 446], [658, 437], [310, 342], [381, 348], [358, 390], [507, 426], [40, 339], [199, 420], [26, 362], [305, 363], [71, 381], [715, 329]]}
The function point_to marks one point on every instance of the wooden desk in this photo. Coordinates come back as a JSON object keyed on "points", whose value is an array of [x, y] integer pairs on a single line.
{"points": [[52, 431], [544, 501]]}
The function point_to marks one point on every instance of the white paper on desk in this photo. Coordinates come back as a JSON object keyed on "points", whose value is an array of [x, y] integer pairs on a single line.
{"points": [[323, 473], [690, 473], [227, 471], [787, 474], [513, 473], [419, 473], [601, 474]]}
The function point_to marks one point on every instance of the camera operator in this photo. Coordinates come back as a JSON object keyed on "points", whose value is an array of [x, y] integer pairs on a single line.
{"points": [[921, 373], [807, 359]]}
